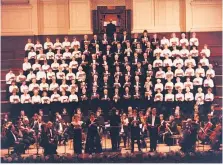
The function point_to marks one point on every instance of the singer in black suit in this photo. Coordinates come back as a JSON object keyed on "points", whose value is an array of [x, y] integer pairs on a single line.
{"points": [[153, 123]]}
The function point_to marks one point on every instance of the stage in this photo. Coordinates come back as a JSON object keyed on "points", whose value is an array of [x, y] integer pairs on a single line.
{"points": [[106, 145]]}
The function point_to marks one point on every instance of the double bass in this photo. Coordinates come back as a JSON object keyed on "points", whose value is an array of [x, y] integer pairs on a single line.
{"points": [[214, 136]]}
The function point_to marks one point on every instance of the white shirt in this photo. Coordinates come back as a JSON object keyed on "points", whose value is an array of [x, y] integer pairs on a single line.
{"points": [[48, 45], [75, 43], [45, 100], [178, 61], [55, 66], [194, 41], [153, 120], [179, 85], [209, 97], [169, 74], [65, 44], [45, 67], [198, 81], [30, 76], [76, 54], [158, 86], [188, 84], [160, 74], [199, 97], [70, 76], [174, 41], [169, 97], [64, 66], [64, 87], [14, 99], [169, 85], [57, 45], [208, 83], [165, 42], [184, 53], [13, 87], [73, 98], [40, 75], [9, 77], [33, 86], [165, 52], [189, 96], [200, 71], [175, 53], [38, 47], [32, 55], [210, 72], [179, 97], [41, 57], [58, 56], [157, 63], [36, 66], [167, 62], [44, 86], [36, 99], [60, 75], [158, 97], [23, 88], [194, 53], [49, 55], [179, 73], [73, 64], [157, 50], [204, 62], [190, 61], [26, 66], [20, 78], [184, 41], [55, 97], [53, 86], [189, 72], [25, 98], [50, 75], [207, 52], [64, 99], [66, 55], [28, 46]]}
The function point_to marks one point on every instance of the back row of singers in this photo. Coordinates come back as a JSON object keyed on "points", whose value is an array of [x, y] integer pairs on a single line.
{"points": [[174, 41]]}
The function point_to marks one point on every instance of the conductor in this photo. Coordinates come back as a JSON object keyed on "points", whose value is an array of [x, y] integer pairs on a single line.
{"points": [[110, 29]]}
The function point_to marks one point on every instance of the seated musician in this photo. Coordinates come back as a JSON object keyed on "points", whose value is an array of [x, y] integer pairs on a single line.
{"points": [[14, 141], [171, 129], [161, 129]]}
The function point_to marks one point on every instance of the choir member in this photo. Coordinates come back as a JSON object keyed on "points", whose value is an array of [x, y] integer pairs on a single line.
{"points": [[210, 72], [164, 41], [64, 98], [14, 99], [158, 86], [38, 46], [73, 97], [188, 83], [178, 84], [45, 99], [200, 70], [48, 44], [26, 66], [184, 52], [36, 66], [183, 40], [166, 52], [36, 99], [33, 86], [32, 55], [45, 66], [57, 45], [193, 40], [44, 86], [174, 41], [155, 41], [54, 85], [25, 98], [13, 87], [23, 87], [75, 43], [205, 51]]}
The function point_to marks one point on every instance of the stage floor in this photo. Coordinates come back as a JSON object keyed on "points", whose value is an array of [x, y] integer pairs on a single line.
{"points": [[106, 145]]}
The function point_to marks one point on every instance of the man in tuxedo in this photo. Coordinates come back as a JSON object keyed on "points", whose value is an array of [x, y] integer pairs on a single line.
{"points": [[125, 38], [12, 140], [153, 123], [115, 122], [110, 29], [155, 41]]}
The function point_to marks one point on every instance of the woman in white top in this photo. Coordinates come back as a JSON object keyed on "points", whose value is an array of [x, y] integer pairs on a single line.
{"points": [[66, 43], [36, 99], [14, 99], [81, 75], [194, 40], [48, 44], [38, 46], [53, 85], [184, 41], [29, 45], [174, 41], [73, 97], [75, 43], [45, 99], [57, 45], [205, 51]]}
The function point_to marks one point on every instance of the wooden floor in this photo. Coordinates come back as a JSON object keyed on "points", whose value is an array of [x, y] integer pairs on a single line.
{"points": [[106, 145]]}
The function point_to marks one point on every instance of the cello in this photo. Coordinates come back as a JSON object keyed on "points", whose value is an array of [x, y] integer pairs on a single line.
{"points": [[214, 136], [203, 132]]}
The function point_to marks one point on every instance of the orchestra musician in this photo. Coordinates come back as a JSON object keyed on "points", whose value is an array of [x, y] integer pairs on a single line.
{"points": [[124, 129]]}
